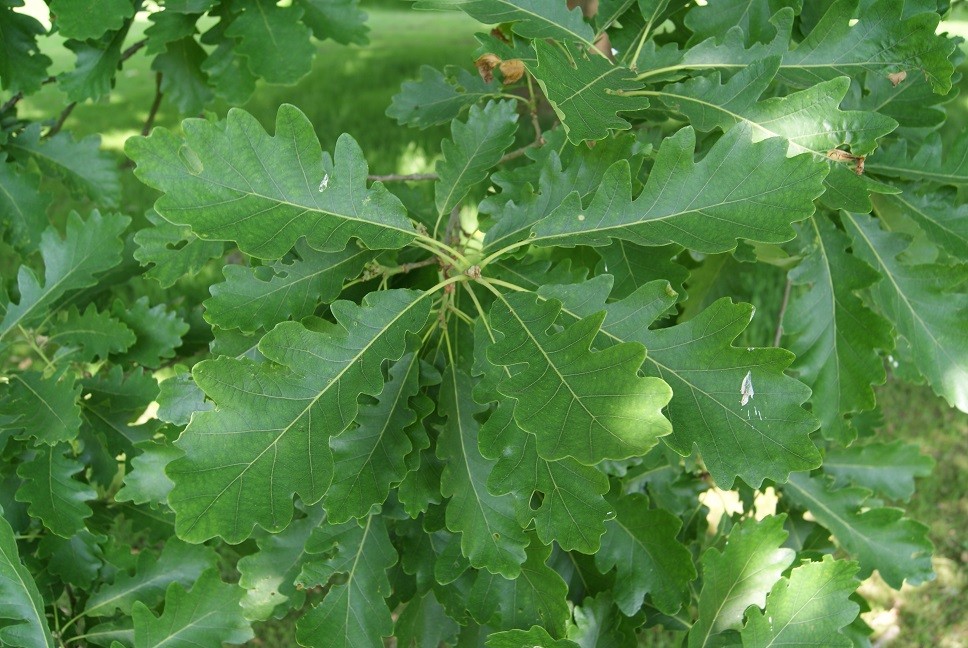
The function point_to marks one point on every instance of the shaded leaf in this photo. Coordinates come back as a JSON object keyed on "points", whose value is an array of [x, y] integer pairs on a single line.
{"points": [[834, 336], [22, 66], [424, 624], [84, 19], [268, 576], [253, 298], [77, 560], [146, 481], [178, 563], [926, 303], [183, 81], [207, 614], [490, 536], [888, 469], [740, 575], [530, 18], [438, 97], [354, 612], [178, 398], [942, 216], [878, 537], [159, 332], [21, 606], [82, 337], [280, 413], [173, 250], [90, 247], [40, 408], [586, 90], [931, 161], [340, 20], [273, 39], [23, 207], [82, 166], [641, 544], [475, 146], [96, 68], [369, 458], [55, 497], [536, 637]]}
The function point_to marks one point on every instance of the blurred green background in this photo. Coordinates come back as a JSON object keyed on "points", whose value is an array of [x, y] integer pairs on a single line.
{"points": [[348, 91]]}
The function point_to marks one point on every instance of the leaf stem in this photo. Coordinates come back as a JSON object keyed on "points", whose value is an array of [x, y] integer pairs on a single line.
{"points": [[490, 282], [59, 124], [783, 307], [504, 250], [440, 249]]}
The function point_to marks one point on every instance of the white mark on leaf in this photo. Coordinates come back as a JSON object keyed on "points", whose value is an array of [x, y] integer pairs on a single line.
{"points": [[746, 389], [581, 217], [324, 183]]}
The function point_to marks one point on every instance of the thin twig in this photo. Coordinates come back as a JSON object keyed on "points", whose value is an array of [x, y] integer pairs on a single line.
{"points": [[150, 122], [533, 104], [60, 120], [131, 51], [783, 307], [453, 224]]}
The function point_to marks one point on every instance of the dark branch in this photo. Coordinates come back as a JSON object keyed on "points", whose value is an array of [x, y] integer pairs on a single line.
{"points": [[60, 120], [150, 122]]}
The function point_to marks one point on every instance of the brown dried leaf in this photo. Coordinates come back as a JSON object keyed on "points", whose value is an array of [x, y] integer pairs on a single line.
{"points": [[896, 77], [486, 64], [512, 70]]}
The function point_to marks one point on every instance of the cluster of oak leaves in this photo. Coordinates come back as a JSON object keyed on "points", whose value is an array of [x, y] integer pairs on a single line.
{"points": [[479, 406]]}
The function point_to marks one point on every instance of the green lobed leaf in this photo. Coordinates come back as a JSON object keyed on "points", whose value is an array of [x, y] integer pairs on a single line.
{"points": [[55, 497], [146, 585], [229, 74], [45, 409], [82, 337], [474, 148], [113, 402], [253, 298], [167, 27], [490, 536], [96, 67], [810, 121], [340, 20], [23, 207], [354, 612], [146, 481], [159, 332], [530, 18], [424, 623], [641, 544], [586, 90], [370, 457], [207, 614], [939, 213], [82, 166], [184, 82], [589, 405], [810, 607], [766, 439], [888, 469], [834, 336], [173, 251], [879, 41], [930, 161], [178, 398], [273, 39], [877, 537], [281, 413], [268, 576], [599, 624], [632, 266], [572, 509], [232, 181], [740, 575], [439, 97], [22, 66], [535, 637], [752, 17], [77, 560], [740, 190], [926, 303], [578, 169], [21, 606], [90, 247], [537, 596], [86, 19]]}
